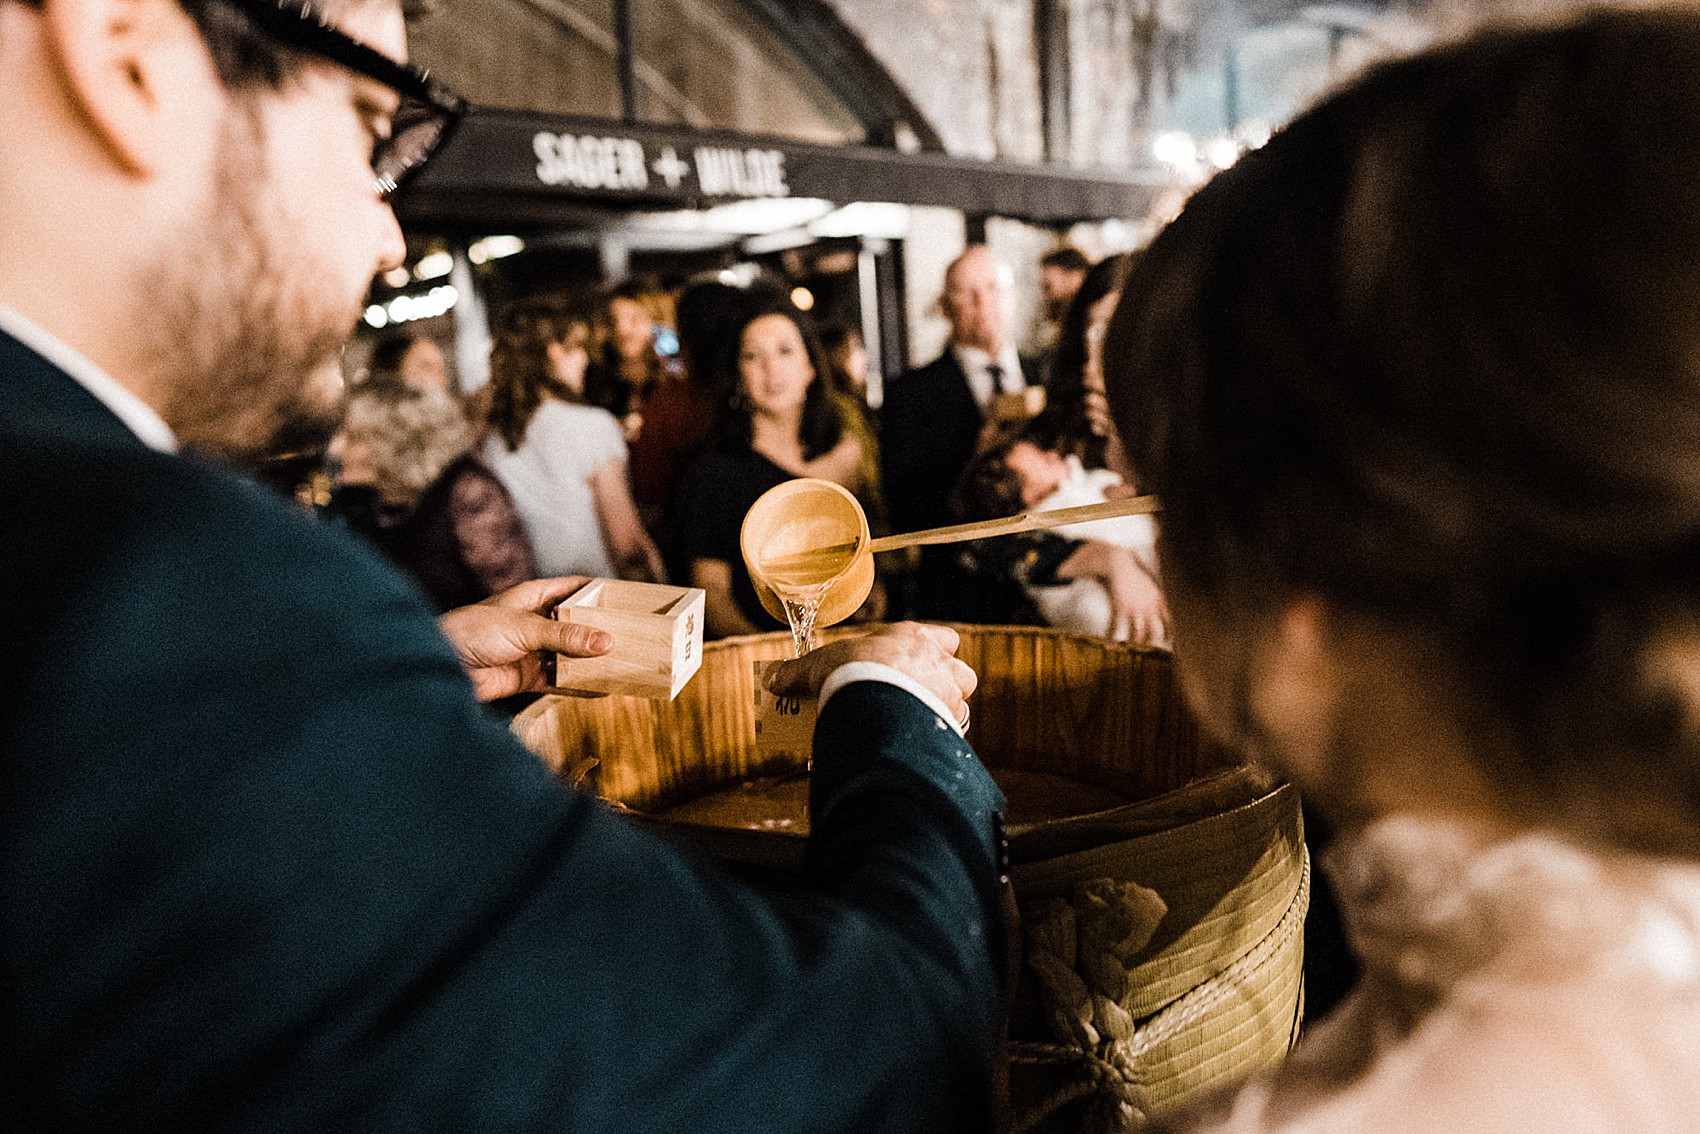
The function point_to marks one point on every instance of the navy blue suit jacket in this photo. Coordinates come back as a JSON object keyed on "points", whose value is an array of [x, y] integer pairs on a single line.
{"points": [[929, 423], [929, 426], [266, 865]]}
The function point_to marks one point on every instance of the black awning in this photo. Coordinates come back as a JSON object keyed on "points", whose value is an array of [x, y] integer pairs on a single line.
{"points": [[515, 169]]}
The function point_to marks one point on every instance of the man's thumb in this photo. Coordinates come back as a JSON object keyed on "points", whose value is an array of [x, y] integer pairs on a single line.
{"points": [[579, 640]]}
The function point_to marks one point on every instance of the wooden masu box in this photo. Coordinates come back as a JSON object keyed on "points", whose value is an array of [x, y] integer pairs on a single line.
{"points": [[657, 633]]}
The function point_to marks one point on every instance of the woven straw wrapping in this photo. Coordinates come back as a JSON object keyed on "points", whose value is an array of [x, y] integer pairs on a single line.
{"points": [[1163, 947]]}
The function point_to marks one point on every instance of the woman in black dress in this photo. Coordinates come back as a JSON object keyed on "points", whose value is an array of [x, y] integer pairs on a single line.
{"points": [[775, 420]]}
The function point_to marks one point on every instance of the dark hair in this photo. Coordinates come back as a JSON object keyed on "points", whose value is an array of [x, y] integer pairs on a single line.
{"points": [[1064, 424], [638, 289], [520, 378], [822, 425], [1430, 355], [387, 354], [1068, 258], [609, 384], [707, 313], [988, 488], [835, 338], [1067, 369]]}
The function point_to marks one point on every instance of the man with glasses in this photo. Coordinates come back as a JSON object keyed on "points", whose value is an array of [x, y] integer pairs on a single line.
{"points": [[264, 862]]}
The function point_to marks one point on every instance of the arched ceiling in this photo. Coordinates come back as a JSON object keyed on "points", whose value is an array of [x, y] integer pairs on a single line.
{"points": [[754, 66]]}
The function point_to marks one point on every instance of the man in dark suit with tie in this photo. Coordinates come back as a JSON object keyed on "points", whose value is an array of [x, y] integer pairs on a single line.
{"points": [[936, 417], [265, 863]]}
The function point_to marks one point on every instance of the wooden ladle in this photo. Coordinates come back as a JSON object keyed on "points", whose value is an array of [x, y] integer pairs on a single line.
{"points": [[822, 558]]}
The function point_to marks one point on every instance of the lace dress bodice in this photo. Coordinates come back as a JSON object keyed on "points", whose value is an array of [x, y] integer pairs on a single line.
{"points": [[1509, 984]]}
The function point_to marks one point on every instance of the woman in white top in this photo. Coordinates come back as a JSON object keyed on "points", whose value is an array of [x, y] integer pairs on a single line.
{"points": [[564, 462], [1418, 383]]}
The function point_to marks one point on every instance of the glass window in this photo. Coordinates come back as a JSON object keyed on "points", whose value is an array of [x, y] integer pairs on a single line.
{"points": [[553, 56], [716, 64], [711, 64]]}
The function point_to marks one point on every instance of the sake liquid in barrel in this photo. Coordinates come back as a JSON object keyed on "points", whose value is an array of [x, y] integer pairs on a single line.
{"points": [[781, 803]]}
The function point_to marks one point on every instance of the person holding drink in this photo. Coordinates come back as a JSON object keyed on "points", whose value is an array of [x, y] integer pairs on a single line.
{"points": [[268, 865]]}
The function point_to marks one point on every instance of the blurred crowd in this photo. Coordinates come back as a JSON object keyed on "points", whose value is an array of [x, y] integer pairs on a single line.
{"points": [[624, 432]]}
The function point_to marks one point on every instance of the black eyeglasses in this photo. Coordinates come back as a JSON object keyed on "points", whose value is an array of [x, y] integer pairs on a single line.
{"points": [[428, 110]]}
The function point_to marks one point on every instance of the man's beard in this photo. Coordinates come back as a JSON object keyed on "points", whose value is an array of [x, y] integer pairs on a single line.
{"points": [[244, 322]]}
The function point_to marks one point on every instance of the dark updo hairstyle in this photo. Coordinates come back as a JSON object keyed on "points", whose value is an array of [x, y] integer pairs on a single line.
{"points": [[822, 425], [1432, 355], [1065, 425]]}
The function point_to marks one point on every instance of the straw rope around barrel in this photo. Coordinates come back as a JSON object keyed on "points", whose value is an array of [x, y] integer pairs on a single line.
{"points": [[1238, 1021], [1227, 879], [1109, 1030], [1215, 845]]}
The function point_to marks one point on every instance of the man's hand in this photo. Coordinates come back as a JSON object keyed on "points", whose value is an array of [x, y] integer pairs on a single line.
{"points": [[925, 653], [501, 641]]}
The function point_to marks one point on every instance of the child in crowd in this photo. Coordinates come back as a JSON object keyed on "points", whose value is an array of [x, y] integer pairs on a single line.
{"points": [[1047, 480], [1109, 588]]}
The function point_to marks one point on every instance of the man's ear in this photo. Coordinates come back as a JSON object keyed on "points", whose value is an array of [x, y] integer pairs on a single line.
{"points": [[127, 66]]}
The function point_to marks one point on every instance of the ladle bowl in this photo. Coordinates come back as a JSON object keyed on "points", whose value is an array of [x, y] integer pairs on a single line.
{"points": [[799, 517]]}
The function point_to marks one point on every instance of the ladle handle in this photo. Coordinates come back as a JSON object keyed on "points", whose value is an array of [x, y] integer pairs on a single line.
{"points": [[1010, 525]]}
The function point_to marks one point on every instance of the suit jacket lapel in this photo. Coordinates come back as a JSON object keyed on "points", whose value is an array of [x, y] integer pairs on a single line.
{"points": [[37, 397]]}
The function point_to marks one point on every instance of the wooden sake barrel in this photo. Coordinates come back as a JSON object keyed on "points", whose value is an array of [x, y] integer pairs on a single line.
{"points": [[1162, 886]]}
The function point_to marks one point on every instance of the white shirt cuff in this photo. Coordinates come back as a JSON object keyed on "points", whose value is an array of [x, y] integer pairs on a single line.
{"points": [[878, 671]]}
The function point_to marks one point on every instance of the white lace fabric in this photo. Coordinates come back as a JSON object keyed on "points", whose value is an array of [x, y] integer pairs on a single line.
{"points": [[1526, 983], [1434, 906]]}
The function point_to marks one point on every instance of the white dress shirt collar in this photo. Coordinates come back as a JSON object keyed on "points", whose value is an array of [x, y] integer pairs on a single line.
{"points": [[974, 363], [131, 410]]}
